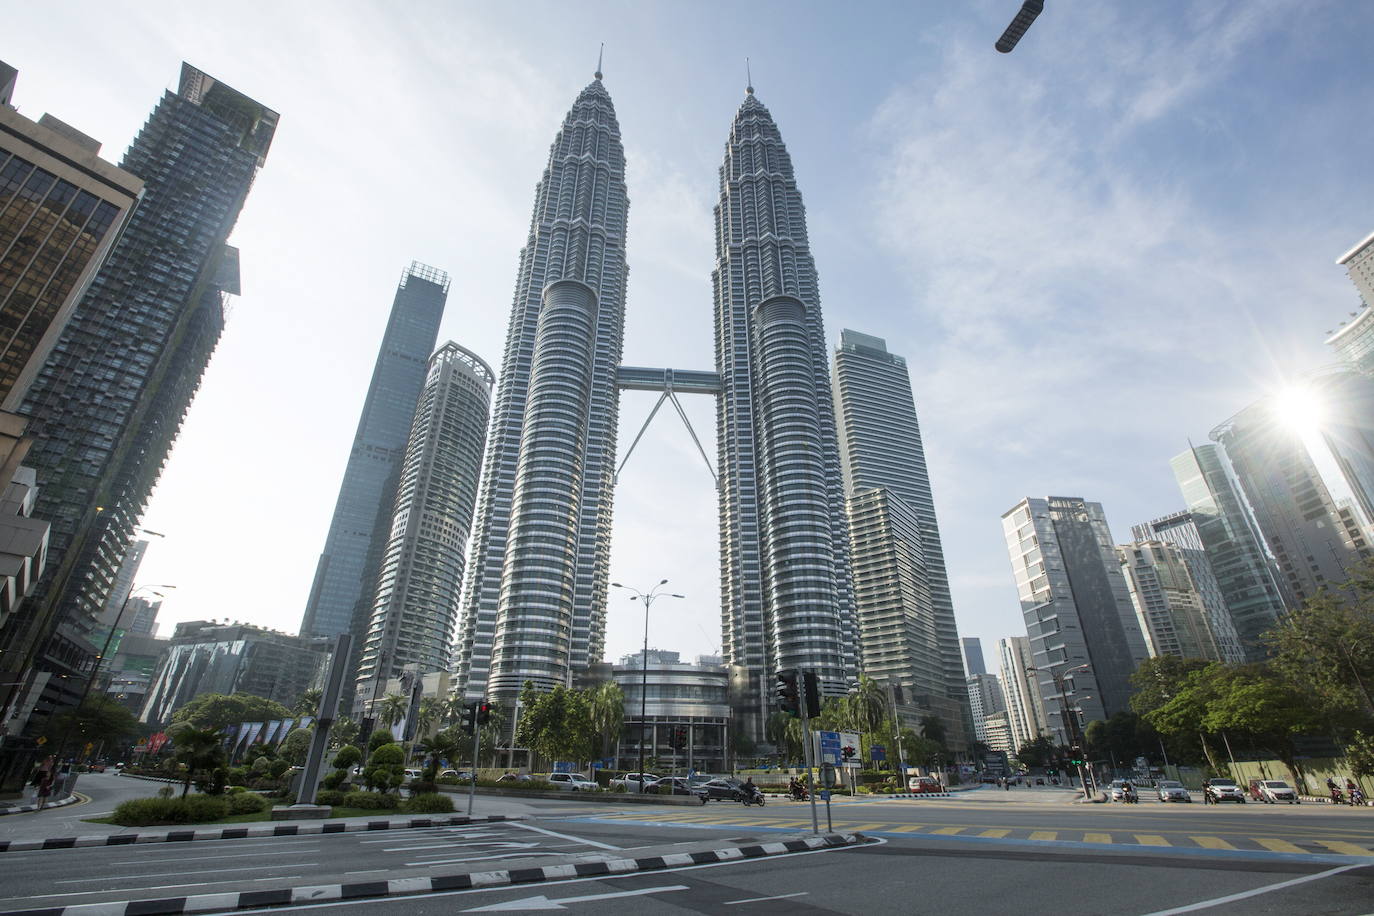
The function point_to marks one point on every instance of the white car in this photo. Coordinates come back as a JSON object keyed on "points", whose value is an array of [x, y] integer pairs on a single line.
{"points": [[630, 782], [1170, 791], [571, 782]]}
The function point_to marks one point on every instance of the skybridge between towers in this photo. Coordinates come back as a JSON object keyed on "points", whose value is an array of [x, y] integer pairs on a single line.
{"points": [[669, 382]]}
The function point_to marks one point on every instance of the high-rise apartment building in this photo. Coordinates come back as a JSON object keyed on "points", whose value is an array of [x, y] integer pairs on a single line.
{"points": [[985, 699], [416, 596], [907, 631], [1181, 531], [1296, 515], [108, 402], [1025, 709], [1083, 630], [1359, 265], [341, 594], [1168, 602], [1250, 583], [1354, 342], [534, 605]]}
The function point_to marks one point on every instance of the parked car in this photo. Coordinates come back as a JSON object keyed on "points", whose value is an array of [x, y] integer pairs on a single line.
{"points": [[723, 789], [1271, 791], [1221, 789], [630, 782], [513, 777], [413, 774], [921, 784], [675, 785], [460, 775], [1170, 791], [571, 782]]}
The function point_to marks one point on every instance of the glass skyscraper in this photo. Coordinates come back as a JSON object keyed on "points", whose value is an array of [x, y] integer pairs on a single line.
{"points": [[908, 637], [415, 608], [341, 595], [109, 401]]}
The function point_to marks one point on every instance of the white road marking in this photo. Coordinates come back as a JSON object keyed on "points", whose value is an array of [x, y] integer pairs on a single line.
{"points": [[236, 855], [174, 874], [503, 855], [758, 899], [564, 836], [1243, 895], [544, 903]]}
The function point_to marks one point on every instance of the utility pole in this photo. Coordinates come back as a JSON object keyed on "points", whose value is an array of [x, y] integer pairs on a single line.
{"points": [[806, 749]]}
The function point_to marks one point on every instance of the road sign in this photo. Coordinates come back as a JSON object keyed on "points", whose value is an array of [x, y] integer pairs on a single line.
{"points": [[830, 744], [877, 752], [564, 766], [850, 740]]}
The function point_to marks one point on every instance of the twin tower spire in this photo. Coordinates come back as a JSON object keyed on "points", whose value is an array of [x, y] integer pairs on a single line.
{"points": [[534, 606]]}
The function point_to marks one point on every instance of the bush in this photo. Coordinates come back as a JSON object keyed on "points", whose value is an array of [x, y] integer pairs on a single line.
{"points": [[428, 803], [389, 754], [334, 779], [332, 799], [347, 756], [246, 803], [193, 809], [278, 768], [235, 790], [422, 787], [379, 738], [377, 801], [166, 792]]}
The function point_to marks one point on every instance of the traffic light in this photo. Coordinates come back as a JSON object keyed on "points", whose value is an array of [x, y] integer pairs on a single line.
{"points": [[789, 700], [678, 738], [1022, 21], [469, 717], [1075, 756], [483, 713], [811, 684], [847, 752]]}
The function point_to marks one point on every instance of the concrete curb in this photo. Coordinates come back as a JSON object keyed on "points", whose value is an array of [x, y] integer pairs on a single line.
{"points": [[239, 833], [404, 887], [21, 809]]}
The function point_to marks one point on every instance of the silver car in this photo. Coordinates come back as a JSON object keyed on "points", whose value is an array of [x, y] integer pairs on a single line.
{"points": [[1170, 791]]}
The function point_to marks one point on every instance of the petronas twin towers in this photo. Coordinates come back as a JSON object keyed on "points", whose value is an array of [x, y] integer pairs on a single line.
{"points": [[534, 606]]}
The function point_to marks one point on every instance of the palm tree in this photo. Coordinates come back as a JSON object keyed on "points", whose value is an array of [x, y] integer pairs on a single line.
{"points": [[200, 749], [607, 706], [393, 709], [308, 703], [448, 743], [868, 706]]}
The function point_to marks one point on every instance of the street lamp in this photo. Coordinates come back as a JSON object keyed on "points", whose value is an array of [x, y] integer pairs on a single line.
{"points": [[648, 599], [99, 659]]}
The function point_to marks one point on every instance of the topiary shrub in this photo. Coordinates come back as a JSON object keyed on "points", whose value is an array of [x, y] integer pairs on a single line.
{"points": [[246, 803], [378, 739], [377, 801], [193, 809], [235, 790], [329, 798], [334, 779], [278, 768], [428, 803]]}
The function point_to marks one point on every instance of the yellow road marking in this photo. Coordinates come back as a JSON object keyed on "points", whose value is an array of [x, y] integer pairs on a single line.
{"points": [[1050, 835], [1211, 842], [791, 823], [907, 828], [1097, 837], [1274, 845], [995, 833], [947, 831], [1150, 839], [1344, 848], [863, 826]]}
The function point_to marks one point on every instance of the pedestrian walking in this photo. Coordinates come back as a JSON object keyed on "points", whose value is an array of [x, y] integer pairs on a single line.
{"points": [[43, 780]]}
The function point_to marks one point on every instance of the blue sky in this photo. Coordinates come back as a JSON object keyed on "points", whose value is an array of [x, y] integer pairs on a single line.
{"points": [[1089, 250]]}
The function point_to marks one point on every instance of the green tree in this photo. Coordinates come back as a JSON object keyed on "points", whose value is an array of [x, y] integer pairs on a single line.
{"points": [[1327, 648], [1159, 679], [449, 743], [344, 731], [296, 747], [1359, 750], [1177, 704], [493, 733], [200, 750], [606, 705], [785, 734], [1255, 702], [218, 711], [933, 729], [916, 749], [98, 719], [557, 725], [308, 703], [393, 708], [1038, 752], [386, 767], [868, 708]]}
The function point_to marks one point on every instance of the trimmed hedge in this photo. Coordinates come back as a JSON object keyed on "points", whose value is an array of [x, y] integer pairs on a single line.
{"points": [[246, 803], [377, 801], [329, 797], [428, 803], [193, 809]]}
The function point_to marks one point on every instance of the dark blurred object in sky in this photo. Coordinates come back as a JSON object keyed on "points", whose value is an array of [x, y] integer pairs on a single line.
{"points": [[1029, 10]]}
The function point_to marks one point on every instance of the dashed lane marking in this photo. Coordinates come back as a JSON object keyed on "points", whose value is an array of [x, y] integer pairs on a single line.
{"points": [[1151, 839], [906, 828], [996, 833], [1046, 835], [1276, 845], [1345, 849], [948, 831], [1097, 837], [859, 828], [1211, 842]]}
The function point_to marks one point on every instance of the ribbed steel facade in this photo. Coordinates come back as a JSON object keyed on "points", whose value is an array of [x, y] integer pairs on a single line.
{"points": [[535, 604], [416, 601], [786, 589]]}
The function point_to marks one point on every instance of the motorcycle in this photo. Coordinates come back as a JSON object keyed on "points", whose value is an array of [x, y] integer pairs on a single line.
{"points": [[748, 798], [1357, 796], [1336, 797], [799, 793]]}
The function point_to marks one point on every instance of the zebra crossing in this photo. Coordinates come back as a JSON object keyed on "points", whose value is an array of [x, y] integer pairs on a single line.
{"points": [[1292, 845]]}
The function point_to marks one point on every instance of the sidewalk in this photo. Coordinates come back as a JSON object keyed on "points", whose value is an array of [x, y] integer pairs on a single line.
{"points": [[33, 806]]}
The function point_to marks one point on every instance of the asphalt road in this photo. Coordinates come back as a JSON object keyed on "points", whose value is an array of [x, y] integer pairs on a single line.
{"points": [[983, 852]]}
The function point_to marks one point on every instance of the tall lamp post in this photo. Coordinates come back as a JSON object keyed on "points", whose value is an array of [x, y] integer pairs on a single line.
{"points": [[648, 598], [99, 659]]}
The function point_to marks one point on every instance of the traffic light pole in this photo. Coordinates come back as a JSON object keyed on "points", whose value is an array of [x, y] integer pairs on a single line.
{"points": [[806, 751], [476, 747]]}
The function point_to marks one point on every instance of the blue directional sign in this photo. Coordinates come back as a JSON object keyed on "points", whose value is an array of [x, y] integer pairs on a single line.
{"points": [[830, 747], [877, 752]]}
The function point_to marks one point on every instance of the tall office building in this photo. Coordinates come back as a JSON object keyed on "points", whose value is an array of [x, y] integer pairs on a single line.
{"points": [[972, 651], [1168, 602], [534, 605], [1354, 342], [108, 403], [1025, 709], [786, 590], [1359, 265], [416, 596], [1296, 514], [985, 699], [1180, 530], [1345, 418], [347, 568], [881, 448], [1079, 617], [1249, 580]]}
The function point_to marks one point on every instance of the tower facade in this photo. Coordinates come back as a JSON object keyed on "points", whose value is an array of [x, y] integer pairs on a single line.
{"points": [[346, 573], [108, 402], [914, 641], [1083, 630], [786, 590], [1025, 709], [534, 606], [416, 596], [1168, 602]]}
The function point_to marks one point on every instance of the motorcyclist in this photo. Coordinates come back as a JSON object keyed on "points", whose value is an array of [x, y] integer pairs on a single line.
{"points": [[1130, 794], [1355, 793], [1335, 790], [750, 790], [796, 789]]}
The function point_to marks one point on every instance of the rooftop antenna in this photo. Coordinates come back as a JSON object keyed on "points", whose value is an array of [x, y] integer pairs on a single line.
{"points": [[599, 54], [749, 75]]}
